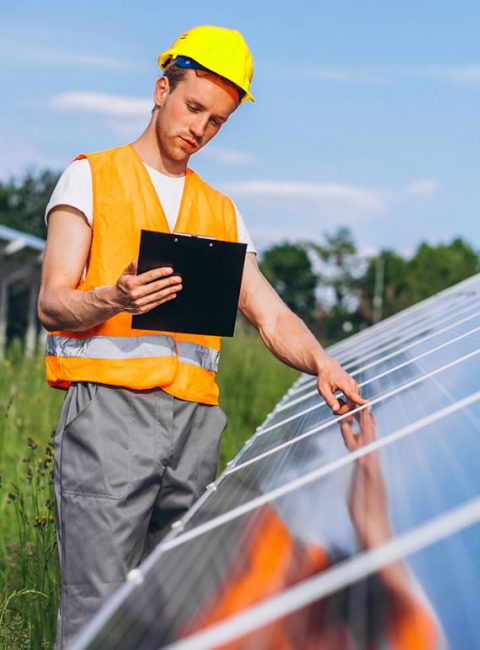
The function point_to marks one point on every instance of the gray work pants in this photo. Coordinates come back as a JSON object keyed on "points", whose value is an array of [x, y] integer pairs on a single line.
{"points": [[127, 464]]}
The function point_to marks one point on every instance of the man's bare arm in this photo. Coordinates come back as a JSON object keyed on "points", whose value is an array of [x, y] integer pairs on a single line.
{"points": [[289, 339], [62, 306]]}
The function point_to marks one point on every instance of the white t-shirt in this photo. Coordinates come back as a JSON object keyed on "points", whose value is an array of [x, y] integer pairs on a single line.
{"points": [[74, 188]]}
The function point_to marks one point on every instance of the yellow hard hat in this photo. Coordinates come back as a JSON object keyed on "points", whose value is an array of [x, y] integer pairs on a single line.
{"points": [[218, 49]]}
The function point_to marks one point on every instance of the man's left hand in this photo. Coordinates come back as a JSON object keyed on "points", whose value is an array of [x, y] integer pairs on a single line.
{"points": [[332, 377]]}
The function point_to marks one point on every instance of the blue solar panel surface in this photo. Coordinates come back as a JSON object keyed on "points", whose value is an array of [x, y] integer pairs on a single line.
{"points": [[355, 531]]}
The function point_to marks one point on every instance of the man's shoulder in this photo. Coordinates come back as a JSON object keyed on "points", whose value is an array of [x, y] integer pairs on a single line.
{"points": [[105, 154]]}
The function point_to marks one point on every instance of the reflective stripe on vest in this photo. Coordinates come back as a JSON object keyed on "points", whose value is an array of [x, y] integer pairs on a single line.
{"points": [[127, 347], [198, 355]]}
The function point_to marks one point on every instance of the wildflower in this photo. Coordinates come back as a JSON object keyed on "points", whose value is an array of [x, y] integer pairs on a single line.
{"points": [[31, 443]]}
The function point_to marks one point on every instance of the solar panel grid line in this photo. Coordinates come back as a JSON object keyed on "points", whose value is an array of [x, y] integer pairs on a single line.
{"points": [[291, 402], [462, 288], [467, 308], [341, 575], [376, 377], [86, 636], [377, 345], [456, 472], [430, 488], [368, 381], [375, 338], [314, 475], [192, 511], [294, 435], [329, 423], [380, 359]]}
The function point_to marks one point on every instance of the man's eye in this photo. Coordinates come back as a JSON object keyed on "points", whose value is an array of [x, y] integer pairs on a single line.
{"points": [[216, 123], [192, 108]]}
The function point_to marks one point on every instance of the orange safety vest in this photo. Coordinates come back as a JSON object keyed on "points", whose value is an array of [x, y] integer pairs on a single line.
{"points": [[124, 202]]}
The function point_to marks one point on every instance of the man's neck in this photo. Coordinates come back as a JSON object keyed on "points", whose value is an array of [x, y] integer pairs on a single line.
{"points": [[147, 148]]}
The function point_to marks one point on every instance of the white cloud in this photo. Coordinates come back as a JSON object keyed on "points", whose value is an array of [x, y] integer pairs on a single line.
{"points": [[228, 156], [333, 198], [423, 187], [467, 75], [102, 104]]}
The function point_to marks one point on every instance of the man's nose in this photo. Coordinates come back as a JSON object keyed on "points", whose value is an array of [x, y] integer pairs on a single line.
{"points": [[199, 126]]}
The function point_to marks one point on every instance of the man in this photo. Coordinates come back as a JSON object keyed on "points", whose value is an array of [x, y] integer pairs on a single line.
{"points": [[139, 433]]}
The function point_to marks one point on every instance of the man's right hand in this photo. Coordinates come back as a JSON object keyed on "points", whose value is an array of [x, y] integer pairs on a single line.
{"points": [[62, 306], [138, 294]]}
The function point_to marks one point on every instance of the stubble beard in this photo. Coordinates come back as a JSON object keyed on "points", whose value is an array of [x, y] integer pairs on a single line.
{"points": [[168, 144]]}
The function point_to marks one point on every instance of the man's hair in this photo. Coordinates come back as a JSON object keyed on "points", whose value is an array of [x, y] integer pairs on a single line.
{"points": [[176, 75]]}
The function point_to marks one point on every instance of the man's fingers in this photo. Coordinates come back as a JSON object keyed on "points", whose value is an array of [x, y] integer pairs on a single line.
{"points": [[155, 274], [351, 390], [329, 396], [341, 406], [158, 296], [345, 407], [153, 290]]}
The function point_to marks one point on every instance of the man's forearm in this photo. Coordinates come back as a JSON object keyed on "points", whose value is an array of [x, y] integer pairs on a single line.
{"points": [[75, 311], [66, 308], [290, 340]]}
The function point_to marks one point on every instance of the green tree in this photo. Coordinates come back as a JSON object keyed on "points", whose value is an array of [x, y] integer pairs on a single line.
{"points": [[341, 262], [434, 268], [341, 266], [397, 288], [289, 269], [407, 281], [23, 202]]}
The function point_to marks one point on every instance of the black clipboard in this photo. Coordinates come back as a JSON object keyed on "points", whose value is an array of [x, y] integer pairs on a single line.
{"points": [[211, 272]]}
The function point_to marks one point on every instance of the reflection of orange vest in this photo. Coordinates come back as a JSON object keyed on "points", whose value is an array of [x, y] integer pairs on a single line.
{"points": [[124, 202], [271, 562]]}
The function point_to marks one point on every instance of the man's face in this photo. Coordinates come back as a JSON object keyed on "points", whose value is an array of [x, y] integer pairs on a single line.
{"points": [[191, 115]]}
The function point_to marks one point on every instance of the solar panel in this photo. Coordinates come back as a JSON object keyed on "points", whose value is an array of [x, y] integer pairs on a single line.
{"points": [[357, 531]]}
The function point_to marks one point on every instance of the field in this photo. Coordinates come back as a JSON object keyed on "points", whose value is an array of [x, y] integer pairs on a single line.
{"points": [[251, 382]]}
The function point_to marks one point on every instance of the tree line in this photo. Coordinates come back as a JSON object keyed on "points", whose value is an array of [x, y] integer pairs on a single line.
{"points": [[338, 291], [330, 284]]}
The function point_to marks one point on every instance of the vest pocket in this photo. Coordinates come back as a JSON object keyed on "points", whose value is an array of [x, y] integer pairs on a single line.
{"points": [[95, 446]]}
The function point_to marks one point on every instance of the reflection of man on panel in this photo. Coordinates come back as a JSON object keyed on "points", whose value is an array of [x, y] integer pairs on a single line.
{"points": [[295, 538], [139, 433]]}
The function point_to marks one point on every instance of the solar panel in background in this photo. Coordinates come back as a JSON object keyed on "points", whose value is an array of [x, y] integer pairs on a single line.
{"points": [[353, 531]]}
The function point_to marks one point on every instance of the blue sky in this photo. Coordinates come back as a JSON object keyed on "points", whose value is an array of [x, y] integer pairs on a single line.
{"points": [[367, 112]]}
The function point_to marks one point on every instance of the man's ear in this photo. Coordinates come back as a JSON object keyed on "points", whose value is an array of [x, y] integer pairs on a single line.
{"points": [[162, 88]]}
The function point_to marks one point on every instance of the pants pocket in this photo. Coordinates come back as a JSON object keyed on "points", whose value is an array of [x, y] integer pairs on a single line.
{"points": [[95, 444]]}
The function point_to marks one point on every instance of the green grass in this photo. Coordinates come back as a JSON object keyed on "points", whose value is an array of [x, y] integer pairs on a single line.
{"points": [[28, 561], [251, 382]]}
